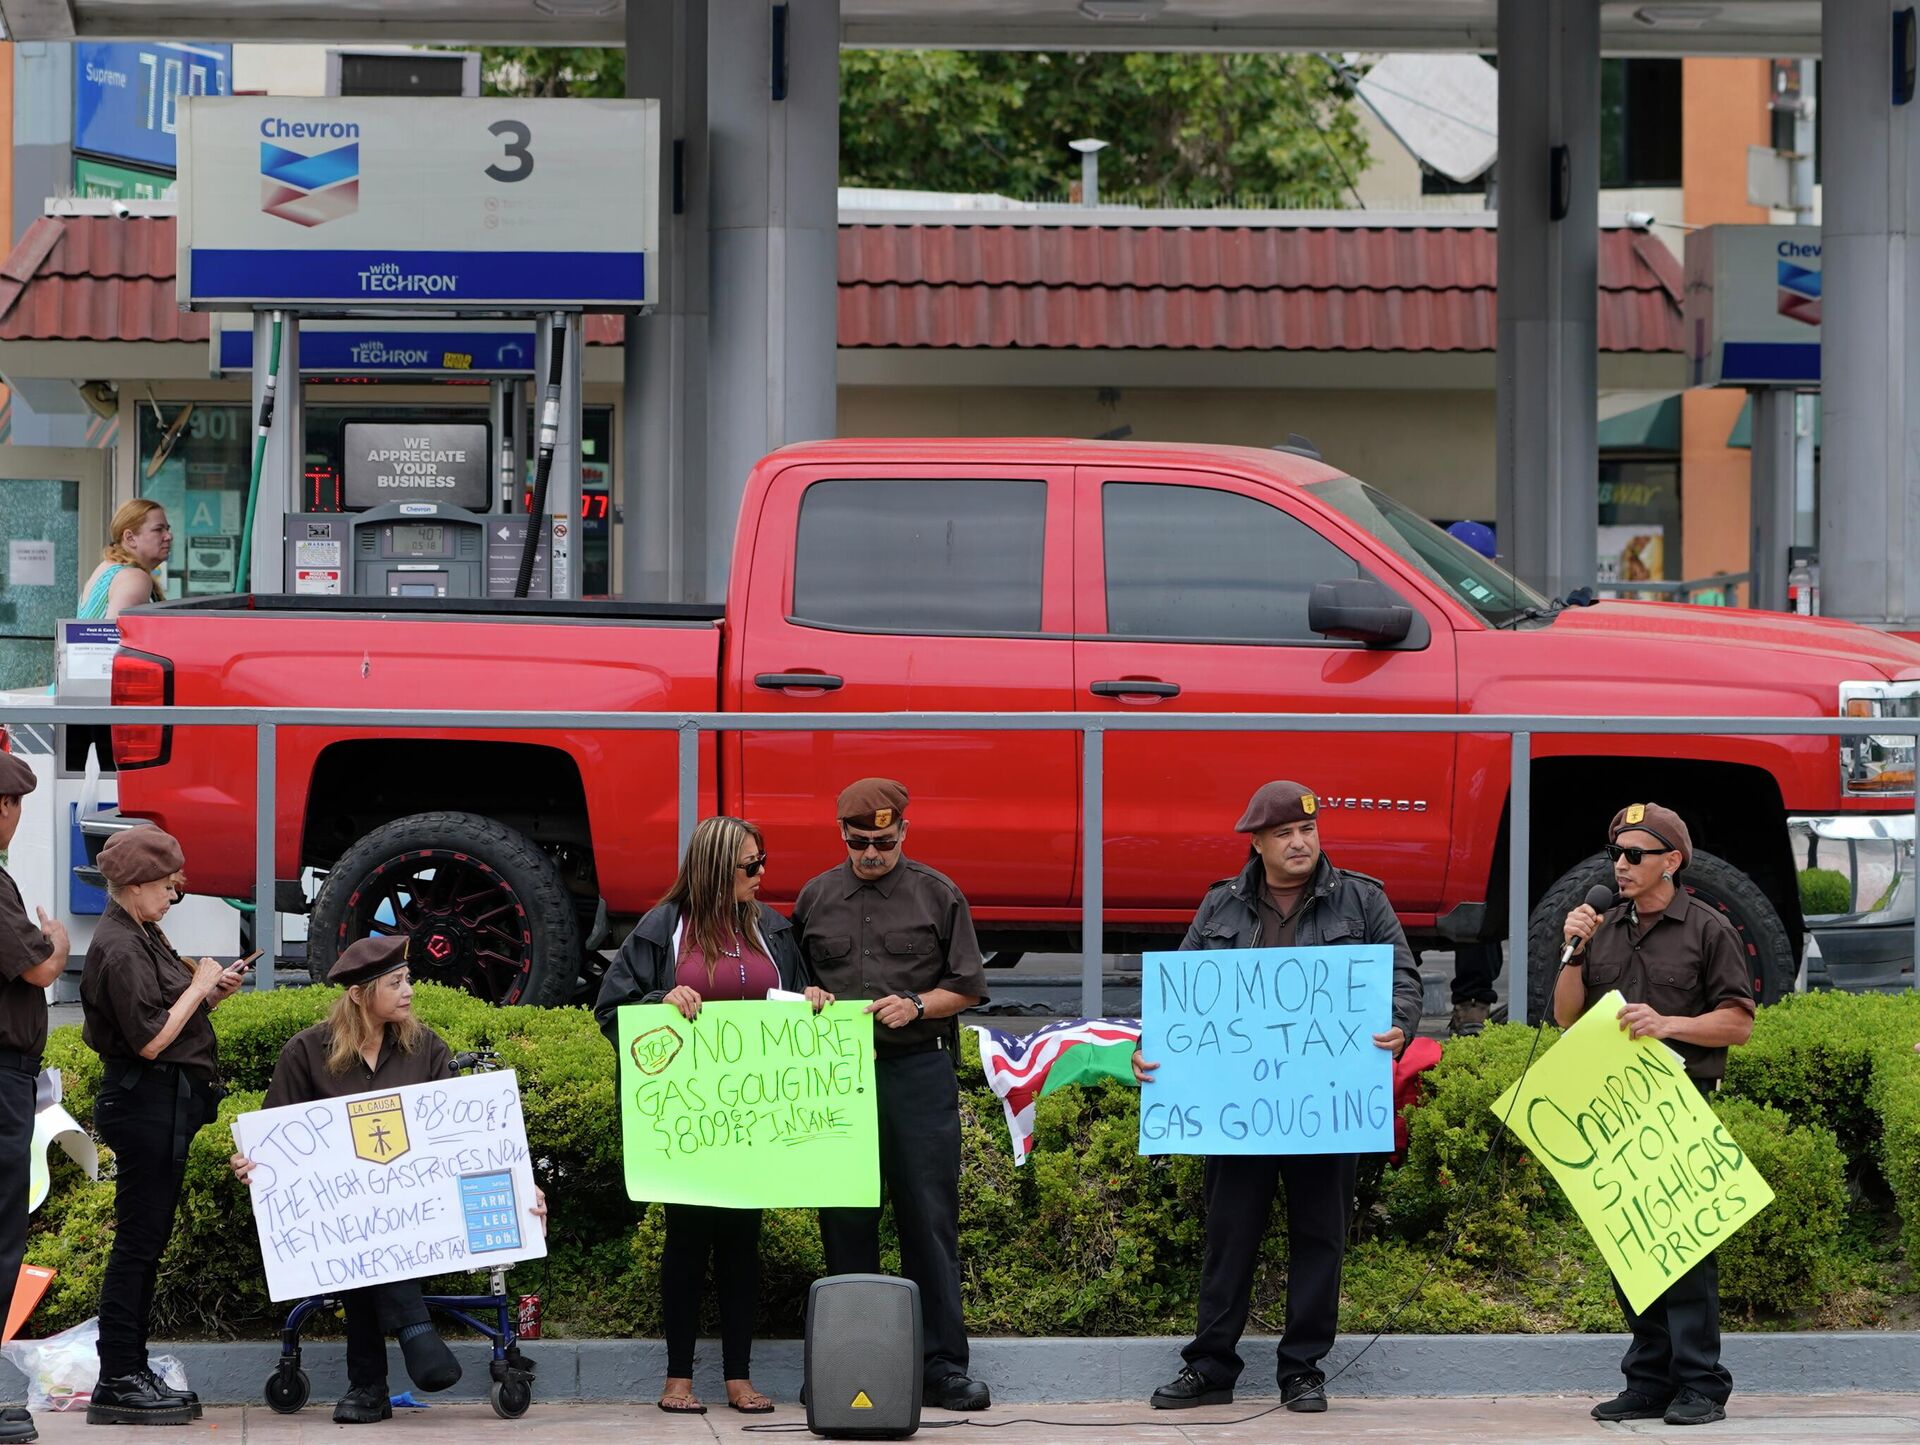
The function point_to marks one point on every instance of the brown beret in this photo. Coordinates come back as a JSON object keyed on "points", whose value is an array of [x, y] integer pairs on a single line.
{"points": [[872, 803], [1274, 805], [1663, 823], [16, 778], [140, 855], [366, 959]]}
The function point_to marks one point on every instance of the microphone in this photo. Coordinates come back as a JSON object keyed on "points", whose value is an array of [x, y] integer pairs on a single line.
{"points": [[1599, 898]]}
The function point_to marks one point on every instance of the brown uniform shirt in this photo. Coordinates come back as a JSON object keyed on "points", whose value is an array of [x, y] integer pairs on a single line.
{"points": [[23, 1006], [302, 1074], [1277, 926], [131, 980], [909, 930], [1684, 962]]}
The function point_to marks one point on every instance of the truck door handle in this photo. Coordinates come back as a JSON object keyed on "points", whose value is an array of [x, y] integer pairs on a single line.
{"points": [[779, 681], [1134, 687]]}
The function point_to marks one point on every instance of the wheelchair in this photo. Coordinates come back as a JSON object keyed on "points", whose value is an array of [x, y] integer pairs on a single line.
{"points": [[288, 1388]]}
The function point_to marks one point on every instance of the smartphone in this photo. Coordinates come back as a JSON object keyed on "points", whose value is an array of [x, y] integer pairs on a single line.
{"points": [[243, 964]]}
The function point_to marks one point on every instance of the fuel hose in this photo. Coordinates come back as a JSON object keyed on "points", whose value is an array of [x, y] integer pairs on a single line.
{"points": [[243, 574], [549, 438]]}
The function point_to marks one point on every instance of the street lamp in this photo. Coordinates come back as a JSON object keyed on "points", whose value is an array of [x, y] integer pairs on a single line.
{"points": [[1089, 169]]}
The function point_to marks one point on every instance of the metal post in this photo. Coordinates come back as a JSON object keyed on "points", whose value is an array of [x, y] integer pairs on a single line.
{"points": [[689, 777], [1770, 488], [1915, 884], [266, 922], [1519, 841], [1093, 903]]}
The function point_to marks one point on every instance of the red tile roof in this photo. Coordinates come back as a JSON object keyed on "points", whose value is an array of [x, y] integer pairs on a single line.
{"points": [[1347, 288]]}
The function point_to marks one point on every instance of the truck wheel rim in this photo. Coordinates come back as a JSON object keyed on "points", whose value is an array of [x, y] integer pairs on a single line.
{"points": [[465, 925]]}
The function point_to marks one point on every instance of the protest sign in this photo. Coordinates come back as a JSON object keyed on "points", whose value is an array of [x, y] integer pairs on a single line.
{"points": [[1653, 1173], [396, 1184], [755, 1104], [1267, 1051]]}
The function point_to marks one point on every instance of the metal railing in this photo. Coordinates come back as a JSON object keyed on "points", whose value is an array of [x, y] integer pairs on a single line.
{"points": [[1093, 727], [1724, 582]]}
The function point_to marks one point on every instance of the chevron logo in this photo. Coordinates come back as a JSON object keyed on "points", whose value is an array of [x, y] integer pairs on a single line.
{"points": [[309, 190], [1798, 292]]}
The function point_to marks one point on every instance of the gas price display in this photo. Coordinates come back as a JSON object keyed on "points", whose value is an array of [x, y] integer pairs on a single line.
{"points": [[126, 95]]}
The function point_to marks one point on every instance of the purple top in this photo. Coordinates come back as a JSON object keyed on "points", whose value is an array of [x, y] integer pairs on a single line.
{"points": [[749, 975]]}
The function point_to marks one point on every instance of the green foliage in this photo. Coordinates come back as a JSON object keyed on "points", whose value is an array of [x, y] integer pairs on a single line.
{"points": [[1790, 1263], [1184, 129], [1822, 890], [1089, 1237]]}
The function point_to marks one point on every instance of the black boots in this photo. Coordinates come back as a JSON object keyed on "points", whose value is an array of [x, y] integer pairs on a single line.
{"points": [[136, 1399], [364, 1405]]}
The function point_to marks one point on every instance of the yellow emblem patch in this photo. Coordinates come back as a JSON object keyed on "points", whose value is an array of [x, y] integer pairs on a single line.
{"points": [[1637, 813], [655, 1049], [1308, 804], [378, 1128], [861, 1402], [883, 817]]}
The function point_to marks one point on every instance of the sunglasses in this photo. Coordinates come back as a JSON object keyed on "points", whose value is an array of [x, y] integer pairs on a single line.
{"points": [[753, 866], [860, 845], [1635, 856]]}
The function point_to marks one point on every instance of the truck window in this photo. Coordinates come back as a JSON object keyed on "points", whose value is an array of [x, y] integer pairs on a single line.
{"points": [[921, 556], [1194, 562]]}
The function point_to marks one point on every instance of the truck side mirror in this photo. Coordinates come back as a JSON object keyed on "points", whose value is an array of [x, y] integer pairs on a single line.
{"points": [[1358, 609]]}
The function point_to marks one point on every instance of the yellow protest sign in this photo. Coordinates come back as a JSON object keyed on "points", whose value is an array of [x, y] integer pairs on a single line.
{"points": [[1654, 1175]]}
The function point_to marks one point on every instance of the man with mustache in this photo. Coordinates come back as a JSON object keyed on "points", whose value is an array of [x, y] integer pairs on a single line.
{"points": [[1289, 895], [1683, 972]]}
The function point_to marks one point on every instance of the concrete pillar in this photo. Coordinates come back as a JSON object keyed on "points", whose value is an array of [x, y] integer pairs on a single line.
{"points": [[1770, 508], [1546, 448], [45, 413], [773, 245], [663, 435], [1870, 461]]}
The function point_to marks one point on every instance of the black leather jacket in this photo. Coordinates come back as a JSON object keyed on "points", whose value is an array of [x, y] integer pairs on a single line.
{"points": [[643, 970], [1341, 907]]}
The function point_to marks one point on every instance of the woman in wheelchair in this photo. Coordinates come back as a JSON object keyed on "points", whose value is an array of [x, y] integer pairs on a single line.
{"points": [[371, 1040]]}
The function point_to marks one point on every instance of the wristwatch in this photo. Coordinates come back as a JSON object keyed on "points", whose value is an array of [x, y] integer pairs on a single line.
{"points": [[919, 1004]]}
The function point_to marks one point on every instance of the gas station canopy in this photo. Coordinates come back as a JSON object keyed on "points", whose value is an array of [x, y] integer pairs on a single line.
{"points": [[1731, 27]]}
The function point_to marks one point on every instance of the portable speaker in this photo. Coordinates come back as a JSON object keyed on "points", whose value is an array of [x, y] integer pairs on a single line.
{"points": [[863, 1357]]}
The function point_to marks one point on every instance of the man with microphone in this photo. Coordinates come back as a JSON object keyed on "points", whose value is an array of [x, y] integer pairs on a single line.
{"points": [[1682, 971]]}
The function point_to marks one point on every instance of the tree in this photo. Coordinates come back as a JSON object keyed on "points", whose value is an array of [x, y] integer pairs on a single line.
{"points": [[1186, 130]]}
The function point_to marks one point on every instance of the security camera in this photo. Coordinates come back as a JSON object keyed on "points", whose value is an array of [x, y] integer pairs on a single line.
{"points": [[1640, 220], [121, 210]]}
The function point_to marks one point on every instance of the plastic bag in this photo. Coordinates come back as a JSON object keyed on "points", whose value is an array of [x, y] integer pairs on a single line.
{"points": [[61, 1370]]}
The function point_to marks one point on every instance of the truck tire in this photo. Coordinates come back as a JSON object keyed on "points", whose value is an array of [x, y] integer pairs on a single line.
{"points": [[1709, 880], [483, 908]]}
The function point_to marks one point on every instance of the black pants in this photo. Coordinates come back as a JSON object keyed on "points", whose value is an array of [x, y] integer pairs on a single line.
{"points": [[373, 1314], [147, 1122], [919, 1112], [1239, 1193], [1676, 1343], [731, 1239], [16, 1139], [1475, 966]]}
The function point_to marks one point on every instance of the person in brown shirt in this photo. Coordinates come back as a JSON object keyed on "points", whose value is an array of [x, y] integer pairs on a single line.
{"points": [[371, 1040], [884, 927], [31, 957], [145, 1010], [1680, 967]]}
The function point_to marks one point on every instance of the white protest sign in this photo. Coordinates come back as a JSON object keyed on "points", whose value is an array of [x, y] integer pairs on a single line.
{"points": [[396, 1184]]}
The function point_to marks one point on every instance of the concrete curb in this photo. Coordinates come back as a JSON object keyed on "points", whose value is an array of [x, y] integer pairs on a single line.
{"points": [[1058, 1371]]}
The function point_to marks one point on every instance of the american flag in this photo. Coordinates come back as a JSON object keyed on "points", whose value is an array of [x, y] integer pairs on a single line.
{"points": [[1018, 1065]]}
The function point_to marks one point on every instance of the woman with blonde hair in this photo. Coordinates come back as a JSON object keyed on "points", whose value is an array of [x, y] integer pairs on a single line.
{"points": [[370, 1040], [140, 540], [710, 938]]}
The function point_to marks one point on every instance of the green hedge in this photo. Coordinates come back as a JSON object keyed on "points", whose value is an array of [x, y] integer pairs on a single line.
{"points": [[1089, 1237]]}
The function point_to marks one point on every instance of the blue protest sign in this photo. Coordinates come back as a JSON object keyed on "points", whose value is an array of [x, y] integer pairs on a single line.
{"points": [[1267, 1051]]}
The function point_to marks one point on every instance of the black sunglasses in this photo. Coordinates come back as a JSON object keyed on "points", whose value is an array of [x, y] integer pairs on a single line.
{"points": [[753, 866], [1635, 856], [860, 845]]}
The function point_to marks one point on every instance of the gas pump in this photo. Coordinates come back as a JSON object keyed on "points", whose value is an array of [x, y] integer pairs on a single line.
{"points": [[425, 238]]}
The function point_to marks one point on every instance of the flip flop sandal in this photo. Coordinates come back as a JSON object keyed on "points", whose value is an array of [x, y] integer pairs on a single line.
{"points": [[690, 1407], [758, 1404]]}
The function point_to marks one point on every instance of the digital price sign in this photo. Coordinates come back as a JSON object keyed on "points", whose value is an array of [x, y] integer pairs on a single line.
{"points": [[126, 95]]}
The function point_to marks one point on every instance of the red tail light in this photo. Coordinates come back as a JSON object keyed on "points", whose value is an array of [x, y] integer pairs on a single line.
{"points": [[141, 680]]}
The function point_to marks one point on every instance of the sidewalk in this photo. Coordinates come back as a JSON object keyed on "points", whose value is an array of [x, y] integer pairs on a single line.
{"points": [[1540, 1420]]}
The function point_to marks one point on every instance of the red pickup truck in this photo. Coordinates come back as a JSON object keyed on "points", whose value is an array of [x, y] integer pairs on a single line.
{"points": [[1003, 575]]}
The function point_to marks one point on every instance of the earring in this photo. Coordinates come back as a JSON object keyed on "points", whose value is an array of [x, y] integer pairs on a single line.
{"points": [[1665, 877]]}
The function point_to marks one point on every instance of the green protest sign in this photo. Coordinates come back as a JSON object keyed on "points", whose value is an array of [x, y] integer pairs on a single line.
{"points": [[759, 1104]]}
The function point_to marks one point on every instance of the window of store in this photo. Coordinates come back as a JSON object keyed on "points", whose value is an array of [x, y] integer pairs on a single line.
{"points": [[1639, 534], [1639, 123]]}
